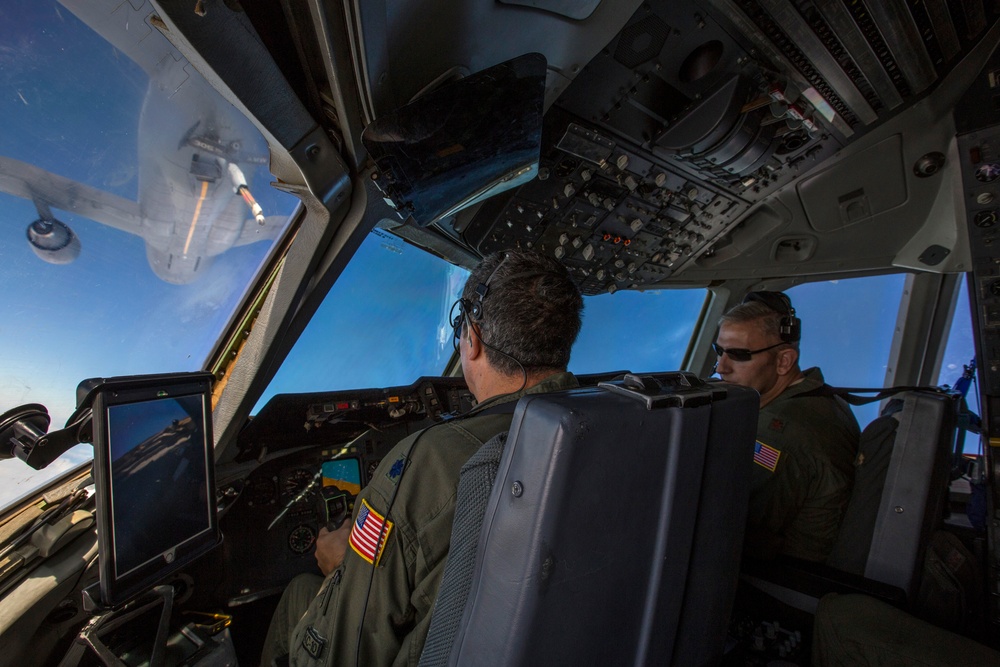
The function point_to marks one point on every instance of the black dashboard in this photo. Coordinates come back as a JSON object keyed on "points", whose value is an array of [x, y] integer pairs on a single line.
{"points": [[298, 448]]}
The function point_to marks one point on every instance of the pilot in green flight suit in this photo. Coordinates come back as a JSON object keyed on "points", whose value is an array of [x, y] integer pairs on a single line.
{"points": [[804, 472], [803, 468], [516, 323]]}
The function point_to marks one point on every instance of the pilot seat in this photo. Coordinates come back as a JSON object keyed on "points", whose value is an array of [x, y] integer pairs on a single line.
{"points": [[612, 531], [893, 532]]}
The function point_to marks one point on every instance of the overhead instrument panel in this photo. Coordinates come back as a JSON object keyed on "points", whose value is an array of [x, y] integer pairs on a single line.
{"points": [[694, 113], [615, 218]]}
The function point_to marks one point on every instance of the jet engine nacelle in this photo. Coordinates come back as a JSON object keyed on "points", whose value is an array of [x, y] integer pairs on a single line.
{"points": [[53, 241]]}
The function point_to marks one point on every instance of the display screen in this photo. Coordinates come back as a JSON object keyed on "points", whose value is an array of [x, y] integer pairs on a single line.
{"points": [[159, 478], [154, 479], [345, 474]]}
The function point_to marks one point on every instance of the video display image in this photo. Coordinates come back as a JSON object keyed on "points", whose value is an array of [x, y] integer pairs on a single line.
{"points": [[345, 474], [159, 477]]}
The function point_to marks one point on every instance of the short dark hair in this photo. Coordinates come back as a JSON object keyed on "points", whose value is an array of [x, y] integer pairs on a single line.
{"points": [[756, 312], [531, 311]]}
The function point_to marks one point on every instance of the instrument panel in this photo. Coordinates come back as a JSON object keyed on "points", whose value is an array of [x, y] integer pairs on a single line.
{"points": [[290, 421], [316, 452]]}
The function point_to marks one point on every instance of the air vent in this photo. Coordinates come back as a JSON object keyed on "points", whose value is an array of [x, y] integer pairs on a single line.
{"points": [[641, 41], [793, 249]]}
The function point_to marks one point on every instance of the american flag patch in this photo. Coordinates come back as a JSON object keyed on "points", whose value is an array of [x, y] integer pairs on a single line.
{"points": [[366, 531], [765, 455]]}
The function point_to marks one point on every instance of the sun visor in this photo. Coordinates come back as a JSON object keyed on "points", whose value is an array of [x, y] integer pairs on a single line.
{"points": [[461, 143]]}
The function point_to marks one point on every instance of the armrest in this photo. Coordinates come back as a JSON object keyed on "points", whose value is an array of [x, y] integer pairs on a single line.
{"points": [[817, 579]]}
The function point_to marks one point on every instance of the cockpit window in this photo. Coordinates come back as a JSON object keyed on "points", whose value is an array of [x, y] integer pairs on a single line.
{"points": [[960, 348], [637, 331], [847, 330], [127, 188], [384, 323]]}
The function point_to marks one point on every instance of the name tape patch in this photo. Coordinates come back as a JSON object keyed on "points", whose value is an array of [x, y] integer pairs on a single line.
{"points": [[313, 642]]}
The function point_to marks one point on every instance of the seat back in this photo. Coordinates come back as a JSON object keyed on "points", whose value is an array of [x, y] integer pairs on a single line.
{"points": [[900, 503], [854, 541], [612, 533]]}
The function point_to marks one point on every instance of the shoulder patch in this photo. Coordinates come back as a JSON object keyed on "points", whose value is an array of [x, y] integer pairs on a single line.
{"points": [[776, 425], [367, 535], [766, 456], [396, 471]]}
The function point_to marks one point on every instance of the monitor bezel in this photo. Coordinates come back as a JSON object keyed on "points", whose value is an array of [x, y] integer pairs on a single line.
{"points": [[117, 589]]}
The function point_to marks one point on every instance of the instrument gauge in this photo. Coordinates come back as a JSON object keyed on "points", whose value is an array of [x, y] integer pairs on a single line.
{"points": [[296, 481], [301, 539], [262, 491]]}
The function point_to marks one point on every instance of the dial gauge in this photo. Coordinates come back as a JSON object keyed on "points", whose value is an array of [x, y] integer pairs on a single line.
{"points": [[301, 539], [296, 481]]}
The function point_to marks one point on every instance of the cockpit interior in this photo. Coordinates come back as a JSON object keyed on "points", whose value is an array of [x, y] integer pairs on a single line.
{"points": [[672, 155]]}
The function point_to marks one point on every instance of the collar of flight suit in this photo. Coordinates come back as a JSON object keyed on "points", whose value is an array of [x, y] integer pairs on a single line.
{"points": [[812, 379], [555, 382]]}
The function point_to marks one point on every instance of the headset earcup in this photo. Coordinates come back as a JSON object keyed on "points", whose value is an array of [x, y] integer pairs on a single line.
{"points": [[794, 329], [790, 327]]}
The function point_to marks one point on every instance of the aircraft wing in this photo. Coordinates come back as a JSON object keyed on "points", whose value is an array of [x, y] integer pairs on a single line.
{"points": [[270, 230], [30, 182], [125, 28]]}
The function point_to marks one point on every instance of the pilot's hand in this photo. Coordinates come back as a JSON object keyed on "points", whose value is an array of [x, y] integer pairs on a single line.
{"points": [[331, 546]]}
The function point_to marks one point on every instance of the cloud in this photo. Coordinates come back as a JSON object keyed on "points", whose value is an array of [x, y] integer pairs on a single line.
{"points": [[17, 480]]}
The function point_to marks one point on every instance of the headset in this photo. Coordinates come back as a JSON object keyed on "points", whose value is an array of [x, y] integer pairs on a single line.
{"points": [[473, 309], [467, 311], [790, 327]]}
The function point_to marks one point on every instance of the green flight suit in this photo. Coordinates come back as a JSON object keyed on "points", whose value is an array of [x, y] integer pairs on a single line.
{"points": [[802, 474], [408, 569], [860, 630]]}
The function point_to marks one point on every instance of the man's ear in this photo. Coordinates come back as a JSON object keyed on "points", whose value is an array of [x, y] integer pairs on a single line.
{"points": [[475, 342], [787, 358]]}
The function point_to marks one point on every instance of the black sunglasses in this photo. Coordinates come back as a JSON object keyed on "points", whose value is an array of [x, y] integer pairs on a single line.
{"points": [[740, 354]]}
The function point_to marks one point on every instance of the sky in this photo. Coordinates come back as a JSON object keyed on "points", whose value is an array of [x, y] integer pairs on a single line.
{"points": [[71, 105], [847, 328], [384, 323]]}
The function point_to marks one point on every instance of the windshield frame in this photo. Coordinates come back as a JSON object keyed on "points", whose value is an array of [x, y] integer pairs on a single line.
{"points": [[306, 162]]}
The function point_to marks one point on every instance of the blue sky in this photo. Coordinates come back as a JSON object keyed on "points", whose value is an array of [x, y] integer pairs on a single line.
{"points": [[71, 105], [847, 328]]}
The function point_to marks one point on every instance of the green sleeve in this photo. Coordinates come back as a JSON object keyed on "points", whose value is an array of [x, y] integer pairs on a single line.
{"points": [[775, 499], [328, 632]]}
